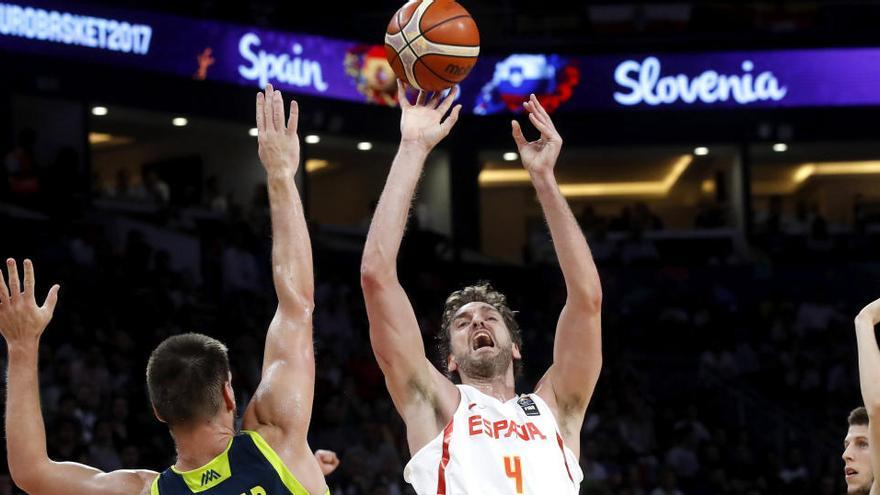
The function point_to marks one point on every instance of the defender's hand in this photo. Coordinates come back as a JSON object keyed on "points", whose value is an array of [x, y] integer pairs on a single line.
{"points": [[278, 144], [328, 460], [21, 320], [539, 156], [422, 123]]}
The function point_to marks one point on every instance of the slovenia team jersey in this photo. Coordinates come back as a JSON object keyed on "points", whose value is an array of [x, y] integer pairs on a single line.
{"points": [[248, 466], [496, 448]]}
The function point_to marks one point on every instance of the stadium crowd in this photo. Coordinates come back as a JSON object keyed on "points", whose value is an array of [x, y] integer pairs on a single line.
{"points": [[720, 377]]}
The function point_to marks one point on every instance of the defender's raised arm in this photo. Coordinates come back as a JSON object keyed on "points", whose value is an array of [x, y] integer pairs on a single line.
{"points": [[282, 405], [22, 322]]}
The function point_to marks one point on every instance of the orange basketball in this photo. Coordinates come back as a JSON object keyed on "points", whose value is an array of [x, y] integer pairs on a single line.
{"points": [[432, 44]]}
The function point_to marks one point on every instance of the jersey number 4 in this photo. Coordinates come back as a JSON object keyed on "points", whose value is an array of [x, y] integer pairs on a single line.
{"points": [[513, 469]]}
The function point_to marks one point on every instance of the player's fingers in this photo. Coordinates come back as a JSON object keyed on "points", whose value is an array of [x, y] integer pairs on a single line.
{"points": [[540, 108], [518, 136], [261, 112], [532, 108], [293, 119], [401, 95], [4, 291], [449, 100], [12, 268], [450, 121], [28, 278], [435, 99], [270, 123], [420, 99], [51, 299], [278, 110], [546, 132]]}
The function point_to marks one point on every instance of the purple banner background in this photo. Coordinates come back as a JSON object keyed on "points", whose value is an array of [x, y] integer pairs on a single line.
{"points": [[808, 78]]}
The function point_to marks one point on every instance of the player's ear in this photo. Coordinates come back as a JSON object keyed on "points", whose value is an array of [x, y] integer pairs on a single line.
{"points": [[228, 396], [451, 365], [156, 413], [516, 353]]}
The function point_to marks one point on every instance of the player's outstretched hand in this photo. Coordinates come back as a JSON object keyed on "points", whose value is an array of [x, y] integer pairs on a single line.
{"points": [[21, 319], [870, 313], [422, 123], [538, 156], [328, 460], [278, 143]]}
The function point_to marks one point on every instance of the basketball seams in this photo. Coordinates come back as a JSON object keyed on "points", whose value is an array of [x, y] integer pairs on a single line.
{"points": [[391, 36], [438, 76], [451, 50], [413, 25], [444, 21], [396, 54], [423, 33], [411, 45]]}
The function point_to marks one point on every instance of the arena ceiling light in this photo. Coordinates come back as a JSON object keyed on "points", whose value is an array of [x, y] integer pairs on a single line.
{"points": [[708, 186], [315, 164], [313, 139], [99, 111], [641, 188], [179, 121], [780, 147], [99, 137], [253, 132], [807, 170], [701, 151], [510, 156], [365, 146], [496, 177], [105, 140]]}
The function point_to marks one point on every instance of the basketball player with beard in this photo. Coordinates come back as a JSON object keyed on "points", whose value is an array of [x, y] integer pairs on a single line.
{"points": [[188, 376], [861, 453], [480, 436]]}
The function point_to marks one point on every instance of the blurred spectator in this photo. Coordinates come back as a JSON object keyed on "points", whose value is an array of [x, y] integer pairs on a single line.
{"points": [[152, 189], [102, 448], [21, 168], [214, 200], [703, 364]]}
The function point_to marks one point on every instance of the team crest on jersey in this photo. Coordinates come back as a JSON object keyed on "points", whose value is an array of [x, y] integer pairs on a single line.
{"points": [[528, 406]]}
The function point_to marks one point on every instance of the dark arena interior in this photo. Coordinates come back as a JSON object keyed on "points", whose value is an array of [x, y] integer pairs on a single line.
{"points": [[720, 158]]}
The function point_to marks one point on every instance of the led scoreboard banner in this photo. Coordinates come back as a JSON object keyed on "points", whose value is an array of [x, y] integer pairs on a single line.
{"points": [[353, 71]]}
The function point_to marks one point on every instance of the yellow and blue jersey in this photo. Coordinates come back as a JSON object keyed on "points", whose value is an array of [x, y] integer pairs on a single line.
{"points": [[248, 466]]}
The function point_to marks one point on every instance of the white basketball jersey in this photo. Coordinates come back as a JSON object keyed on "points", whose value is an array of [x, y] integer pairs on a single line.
{"points": [[496, 448]]}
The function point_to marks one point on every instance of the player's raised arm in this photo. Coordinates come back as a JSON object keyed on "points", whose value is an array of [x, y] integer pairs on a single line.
{"points": [[394, 331], [282, 405], [577, 351], [22, 323], [869, 379]]}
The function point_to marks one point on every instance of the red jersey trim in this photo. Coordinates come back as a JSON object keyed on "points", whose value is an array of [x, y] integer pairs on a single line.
{"points": [[444, 459], [565, 459]]}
